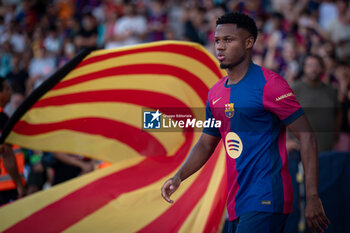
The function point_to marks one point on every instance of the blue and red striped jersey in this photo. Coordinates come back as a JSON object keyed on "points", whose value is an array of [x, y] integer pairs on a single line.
{"points": [[254, 114]]}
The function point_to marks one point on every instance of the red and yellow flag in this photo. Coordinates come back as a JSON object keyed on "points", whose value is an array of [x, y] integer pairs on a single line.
{"points": [[95, 110]]}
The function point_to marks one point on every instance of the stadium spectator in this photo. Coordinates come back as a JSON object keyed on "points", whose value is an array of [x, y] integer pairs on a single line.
{"points": [[65, 10], [40, 68], [5, 58], [16, 99], [196, 28], [108, 29], [319, 101], [52, 42], [129, 29], [157, 21], [87, 36], [339, 30], [67, 52], [11, 165], [37, 175], [18, 76]]}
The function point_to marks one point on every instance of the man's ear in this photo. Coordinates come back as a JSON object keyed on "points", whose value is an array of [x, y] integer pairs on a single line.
{"points": [[249, 42]]}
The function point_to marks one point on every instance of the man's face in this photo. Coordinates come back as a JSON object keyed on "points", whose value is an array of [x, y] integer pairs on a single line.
{"points": [[312, 68], [231, 44]]}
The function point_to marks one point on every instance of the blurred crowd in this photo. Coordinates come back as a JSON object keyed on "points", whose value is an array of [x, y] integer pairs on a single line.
{"points": [[306, 41]]}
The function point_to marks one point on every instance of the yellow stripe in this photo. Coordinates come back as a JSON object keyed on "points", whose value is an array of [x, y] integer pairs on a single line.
{"points": [[131, 211], [166, 85], [17, 211], [222, 221], [199, 220], [68, 141], [187, 226], [11, 214], [152, 44], [162, 58], [134, 210], [147, 45], [167, 42], [127, 113]]}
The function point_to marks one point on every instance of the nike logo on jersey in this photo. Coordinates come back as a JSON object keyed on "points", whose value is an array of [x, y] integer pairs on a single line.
{"points": [[215, 101]]}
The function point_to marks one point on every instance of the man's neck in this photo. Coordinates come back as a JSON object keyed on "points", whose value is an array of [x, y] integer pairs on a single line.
{"points": [[235, 74], [312, 83]]}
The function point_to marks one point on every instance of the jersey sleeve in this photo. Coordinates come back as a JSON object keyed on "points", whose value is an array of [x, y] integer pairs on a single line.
{"points": [[279, 99], [210, 130]]}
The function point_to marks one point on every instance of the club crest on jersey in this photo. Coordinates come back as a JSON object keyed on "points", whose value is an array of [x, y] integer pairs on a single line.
{"points": [[229, 110]]}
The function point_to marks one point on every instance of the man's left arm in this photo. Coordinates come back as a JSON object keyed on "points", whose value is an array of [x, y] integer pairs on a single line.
{"points": [[11, 166], [314, 212]]}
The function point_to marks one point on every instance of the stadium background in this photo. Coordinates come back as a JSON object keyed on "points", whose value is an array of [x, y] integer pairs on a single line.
{"points": [[39, 37]]}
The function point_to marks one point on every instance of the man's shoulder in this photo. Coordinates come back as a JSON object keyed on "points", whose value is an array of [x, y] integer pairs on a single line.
{"points": [[217, 88], [274, 82], [332, 91], [298, 84], [270, 75], [219, 84]]}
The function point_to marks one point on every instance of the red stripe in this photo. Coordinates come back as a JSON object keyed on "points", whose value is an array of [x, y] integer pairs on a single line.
{"points": [[149, 99], [106, 127], [144, 98], [69, 210], [197, 84], [174, 217], [143, 142], [185, 50], [217, 206]]}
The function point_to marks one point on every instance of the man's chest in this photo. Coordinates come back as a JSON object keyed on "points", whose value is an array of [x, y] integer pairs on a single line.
{"points": [[237, 104]]}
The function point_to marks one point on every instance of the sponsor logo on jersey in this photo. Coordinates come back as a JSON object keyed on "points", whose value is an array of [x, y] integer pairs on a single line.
{"points": [[233, 145], [284, 96]]}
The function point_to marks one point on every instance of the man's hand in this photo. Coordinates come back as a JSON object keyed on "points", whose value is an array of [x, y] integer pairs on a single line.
{"points": [[315, 215], [197, 157], [21, 191], [314, 212], [169, 187]]}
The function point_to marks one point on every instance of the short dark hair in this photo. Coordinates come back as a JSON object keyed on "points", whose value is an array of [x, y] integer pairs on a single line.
{"points": [[317, 57], [241, 20]]}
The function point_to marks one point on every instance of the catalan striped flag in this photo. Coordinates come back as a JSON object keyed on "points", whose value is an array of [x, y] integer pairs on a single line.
{"points": [[93, 107]]}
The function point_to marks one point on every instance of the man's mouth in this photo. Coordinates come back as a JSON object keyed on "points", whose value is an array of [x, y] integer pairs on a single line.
{"points": [[220, 57]]}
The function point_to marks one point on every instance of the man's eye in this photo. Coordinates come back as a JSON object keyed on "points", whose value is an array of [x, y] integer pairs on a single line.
{"points": [[217, 41], [228, 40]]}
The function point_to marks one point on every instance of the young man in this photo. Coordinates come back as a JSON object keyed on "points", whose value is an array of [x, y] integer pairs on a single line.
{"points": [[8, 190], [254, 106]]}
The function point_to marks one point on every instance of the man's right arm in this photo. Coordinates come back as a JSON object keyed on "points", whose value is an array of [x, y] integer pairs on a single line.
{"points": [[198, 156]]}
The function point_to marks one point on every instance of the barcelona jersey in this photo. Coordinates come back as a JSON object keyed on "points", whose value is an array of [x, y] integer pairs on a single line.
{"points": [[254, 114]]}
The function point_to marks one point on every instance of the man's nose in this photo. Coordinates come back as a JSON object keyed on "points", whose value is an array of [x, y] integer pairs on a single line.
{"points": [[220, 45]]}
